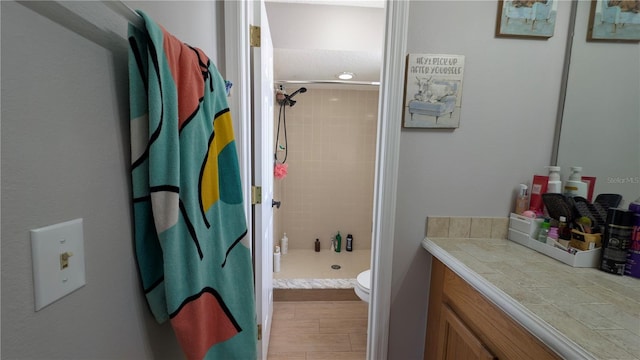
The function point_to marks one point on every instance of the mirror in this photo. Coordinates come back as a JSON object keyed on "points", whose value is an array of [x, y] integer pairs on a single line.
{"points": [[600, 123]]}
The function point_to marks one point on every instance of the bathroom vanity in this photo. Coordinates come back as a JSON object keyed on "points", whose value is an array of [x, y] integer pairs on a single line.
{"points": [[496, 299]]}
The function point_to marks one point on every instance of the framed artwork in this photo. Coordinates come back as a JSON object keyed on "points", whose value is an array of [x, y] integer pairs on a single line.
{"points": [[614, 20], [532, 19], [433, 91]]}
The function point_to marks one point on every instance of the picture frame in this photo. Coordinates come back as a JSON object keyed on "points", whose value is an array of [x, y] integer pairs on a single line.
{"points": [[614, 21], [433, 91], [526, 19]]}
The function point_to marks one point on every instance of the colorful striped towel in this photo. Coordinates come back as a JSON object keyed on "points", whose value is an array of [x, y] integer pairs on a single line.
{"points": [[190, 228]]}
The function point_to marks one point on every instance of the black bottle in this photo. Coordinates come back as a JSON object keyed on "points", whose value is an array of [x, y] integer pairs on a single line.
{"points": [[317, 245], [349, 246]]}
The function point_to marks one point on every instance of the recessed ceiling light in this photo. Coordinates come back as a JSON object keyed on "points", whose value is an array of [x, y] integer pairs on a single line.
{"points": [[345, 76]]}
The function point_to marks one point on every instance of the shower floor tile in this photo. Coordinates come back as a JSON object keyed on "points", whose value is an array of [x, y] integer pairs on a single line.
{"points": [[314, 283], [308, 264]]}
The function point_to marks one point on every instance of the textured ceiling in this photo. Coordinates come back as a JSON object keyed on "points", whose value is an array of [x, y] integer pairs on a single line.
{"points": [[316, 41]]}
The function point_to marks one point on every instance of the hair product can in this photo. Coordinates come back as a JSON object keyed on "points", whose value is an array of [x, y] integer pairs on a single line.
{"points": [[616, 241]]}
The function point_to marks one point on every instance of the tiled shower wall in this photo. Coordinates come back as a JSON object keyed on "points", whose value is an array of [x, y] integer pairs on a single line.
{"points": [[329, 186]]}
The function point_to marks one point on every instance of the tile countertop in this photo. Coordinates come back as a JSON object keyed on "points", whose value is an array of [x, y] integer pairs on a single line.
{"points": [[581, 313]]}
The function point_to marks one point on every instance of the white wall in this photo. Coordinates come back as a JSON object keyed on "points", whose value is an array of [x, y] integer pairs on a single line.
{"points": [[65, 154], [306, 26], [509, 104]]}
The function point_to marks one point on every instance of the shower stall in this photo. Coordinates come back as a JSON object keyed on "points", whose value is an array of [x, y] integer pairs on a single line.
{"points": [[327, 142]]}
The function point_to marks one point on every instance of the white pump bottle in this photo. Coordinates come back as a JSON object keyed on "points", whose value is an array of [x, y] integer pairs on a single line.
{"points": [[575, 186]]}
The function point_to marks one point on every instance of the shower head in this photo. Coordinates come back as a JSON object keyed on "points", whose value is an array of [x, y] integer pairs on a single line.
{"points": [[301, 90], [289, 98]]}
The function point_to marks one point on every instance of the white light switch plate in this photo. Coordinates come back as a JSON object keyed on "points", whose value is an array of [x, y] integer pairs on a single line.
{"points": [[48, 244]]}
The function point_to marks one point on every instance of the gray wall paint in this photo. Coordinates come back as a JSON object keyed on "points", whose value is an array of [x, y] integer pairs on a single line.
{"points": [[198, 23], [65, 154], [509, 103]]}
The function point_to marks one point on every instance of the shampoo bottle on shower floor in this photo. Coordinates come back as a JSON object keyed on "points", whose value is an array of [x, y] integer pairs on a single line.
{"points": [[284, 244], [338, 242], [276, 259]]}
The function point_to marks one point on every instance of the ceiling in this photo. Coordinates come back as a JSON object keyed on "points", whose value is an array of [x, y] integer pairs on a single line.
{"points": [[316, 40]]}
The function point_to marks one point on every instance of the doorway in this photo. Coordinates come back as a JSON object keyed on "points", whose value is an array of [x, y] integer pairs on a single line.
{"points": [[387, 151], [327, 138]]}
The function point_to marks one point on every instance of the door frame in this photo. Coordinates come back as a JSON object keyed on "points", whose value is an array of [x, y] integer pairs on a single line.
{"points": [[390, 109], [390, 106]]}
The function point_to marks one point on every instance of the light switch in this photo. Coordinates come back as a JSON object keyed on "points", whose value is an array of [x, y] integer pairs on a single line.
{"points": [[58, 261]]}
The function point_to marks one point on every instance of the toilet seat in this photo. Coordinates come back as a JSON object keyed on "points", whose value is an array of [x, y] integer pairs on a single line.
{"points": [[363, 285]]}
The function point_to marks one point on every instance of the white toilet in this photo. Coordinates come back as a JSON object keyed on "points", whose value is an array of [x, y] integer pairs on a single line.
{"points": [[363, 285]]}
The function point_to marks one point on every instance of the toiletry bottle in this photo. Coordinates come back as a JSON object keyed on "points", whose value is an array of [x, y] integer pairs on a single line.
{"points": [[544, 231], [574, 186], [349, 246], [564, 232], [284, 244], [554, 185], [632, 267], [333, 244], [338, 242], [276, 260], [616, 240], [317, 245], [522, 201], [538, 224]]}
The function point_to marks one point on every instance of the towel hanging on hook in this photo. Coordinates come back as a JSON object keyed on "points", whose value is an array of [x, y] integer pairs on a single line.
{"points": [[190, 228]]}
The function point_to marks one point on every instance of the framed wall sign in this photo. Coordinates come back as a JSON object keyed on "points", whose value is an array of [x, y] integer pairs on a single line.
{"points": [[433, 91], [614, 20], [534, 19]]}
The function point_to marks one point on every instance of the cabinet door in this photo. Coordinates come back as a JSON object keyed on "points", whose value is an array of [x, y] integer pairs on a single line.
{"points": [[456, 341]]}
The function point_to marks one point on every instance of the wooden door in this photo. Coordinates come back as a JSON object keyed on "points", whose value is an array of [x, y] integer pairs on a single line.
{"points": [[263, 100]]}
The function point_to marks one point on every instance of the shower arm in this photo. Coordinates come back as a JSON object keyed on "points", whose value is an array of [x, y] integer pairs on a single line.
{"points": [[334, 82]]}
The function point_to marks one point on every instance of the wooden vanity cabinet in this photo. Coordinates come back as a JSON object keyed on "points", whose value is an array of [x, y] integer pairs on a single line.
{"points": [[463, 324], [458, 342]]}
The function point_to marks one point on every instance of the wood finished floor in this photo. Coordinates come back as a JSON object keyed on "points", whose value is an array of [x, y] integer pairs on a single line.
{"points": [[315, 330]]}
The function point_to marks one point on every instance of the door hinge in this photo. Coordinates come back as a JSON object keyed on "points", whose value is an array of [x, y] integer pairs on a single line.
{"points": [[256, 195], [259, 331], [254, 36]]}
